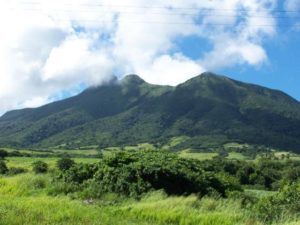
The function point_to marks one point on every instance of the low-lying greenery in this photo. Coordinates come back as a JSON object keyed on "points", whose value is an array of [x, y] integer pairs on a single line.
{"points": [[153, 187], [40, 167], [3, 167], [138, 172]]}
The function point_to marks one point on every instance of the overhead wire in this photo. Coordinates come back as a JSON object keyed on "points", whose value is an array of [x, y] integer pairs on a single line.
{"points": [[155, 13], [202, 12], [164, 7]]}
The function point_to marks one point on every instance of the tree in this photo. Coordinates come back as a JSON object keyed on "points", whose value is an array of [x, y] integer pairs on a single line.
{"points": [[99, 154], [3, 154], [64, 164], [3, 167], [40, 167]]}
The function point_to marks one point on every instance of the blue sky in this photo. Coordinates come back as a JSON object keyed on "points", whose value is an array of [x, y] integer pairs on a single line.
{"points": [[282, 71], [51, 50]]}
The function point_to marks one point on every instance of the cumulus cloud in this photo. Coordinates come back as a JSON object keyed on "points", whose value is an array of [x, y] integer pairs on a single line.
{"points": [[170, 70], [47, 47], [74, 61]]}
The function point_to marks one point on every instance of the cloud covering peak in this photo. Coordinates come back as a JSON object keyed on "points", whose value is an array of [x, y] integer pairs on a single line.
{"points": [[50, 47]]}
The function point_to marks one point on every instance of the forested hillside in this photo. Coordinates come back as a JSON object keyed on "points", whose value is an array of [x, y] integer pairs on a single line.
{"points": [[131, 111]]}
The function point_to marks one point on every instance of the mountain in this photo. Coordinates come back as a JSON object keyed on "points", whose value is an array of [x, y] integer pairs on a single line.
{"points": [[207, 108]]}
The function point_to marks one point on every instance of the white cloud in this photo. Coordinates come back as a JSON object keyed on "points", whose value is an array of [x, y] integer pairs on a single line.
{"points": [[47, 47], [228, 52], [35, 101], [171, 70], [74, 61]]}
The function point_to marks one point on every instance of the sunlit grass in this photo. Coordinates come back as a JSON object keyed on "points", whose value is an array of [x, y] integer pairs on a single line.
{"points": [[196, 155], [26, 162], [236, 155], [24, 201]]}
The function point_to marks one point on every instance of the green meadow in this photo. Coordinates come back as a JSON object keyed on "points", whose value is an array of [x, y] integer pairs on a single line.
{"points": [[24, 200], [29, 198]]}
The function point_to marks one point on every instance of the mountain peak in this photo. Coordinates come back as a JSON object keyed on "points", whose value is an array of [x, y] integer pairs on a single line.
{"points": [[203, 78], [132, 79], [207, 73], [210, 75]]}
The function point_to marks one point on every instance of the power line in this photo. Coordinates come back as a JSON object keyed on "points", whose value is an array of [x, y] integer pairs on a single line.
{"points": [[202, 13], [156, 13], [166, 7], [177, 23], [153, 13], [170, 23]]}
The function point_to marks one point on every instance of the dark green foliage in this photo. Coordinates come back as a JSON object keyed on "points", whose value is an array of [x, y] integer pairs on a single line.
{"points": [[281, 205], [64, 164], [135, 173], [211, 110], [293, 174], [16, 170], [40, 167], [79, 173], [3, 154], [265, 174], [3, 167], [244, 174]]}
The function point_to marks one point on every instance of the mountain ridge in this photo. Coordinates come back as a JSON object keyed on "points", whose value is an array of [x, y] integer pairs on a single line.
{"points": [[132, 111]]}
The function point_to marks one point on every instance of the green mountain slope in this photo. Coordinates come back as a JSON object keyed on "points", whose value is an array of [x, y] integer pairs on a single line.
{"points": [[132, 111]]}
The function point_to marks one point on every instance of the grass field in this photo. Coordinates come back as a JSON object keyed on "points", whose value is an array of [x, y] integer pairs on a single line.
{"points": [[24, 201], [26, 162], [196, 155], [209, 155], [27, 199], [236, 155]]}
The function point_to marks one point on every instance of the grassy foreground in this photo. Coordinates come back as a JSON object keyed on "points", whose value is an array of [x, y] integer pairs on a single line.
{"points": [[25, 199]]}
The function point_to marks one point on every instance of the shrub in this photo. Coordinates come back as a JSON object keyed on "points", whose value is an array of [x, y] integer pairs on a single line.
{"points": [[39, 182], [3, 154], [40, 167], [16, 170], [135, 173], [3, 167], [228, 183], [79, 173], [285, 203], [64, 164]]}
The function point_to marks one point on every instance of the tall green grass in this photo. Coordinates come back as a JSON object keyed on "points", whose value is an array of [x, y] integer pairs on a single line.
{"points": [[24, 200], [26, 162]]}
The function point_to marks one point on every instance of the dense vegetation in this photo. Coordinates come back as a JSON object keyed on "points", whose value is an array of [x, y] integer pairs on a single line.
{"points": [[210, 110], [151, 187], [136, 173]]}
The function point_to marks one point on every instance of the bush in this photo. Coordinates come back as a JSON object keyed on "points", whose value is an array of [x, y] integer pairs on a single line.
{"points": [[64, 164], [79, 173], [138, 172], [3, 167], [16, 170], [3, 154], [40, 167], [284, 204]]}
